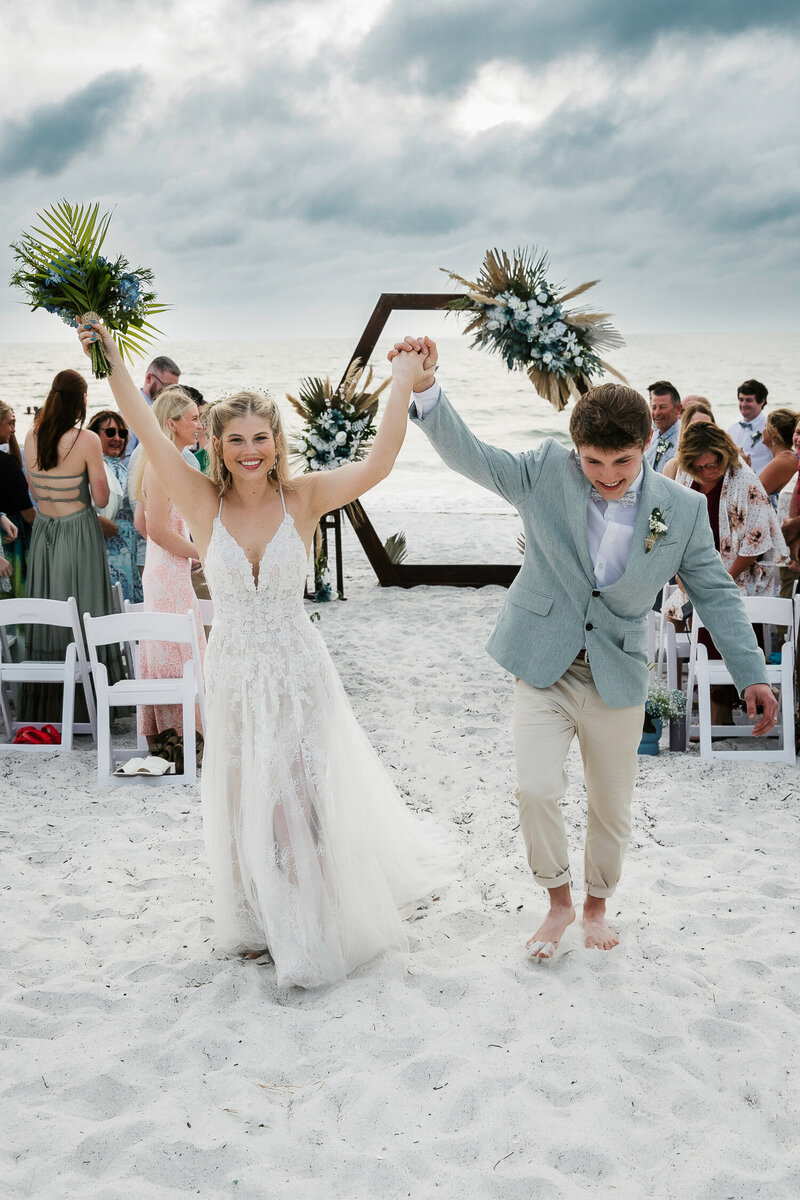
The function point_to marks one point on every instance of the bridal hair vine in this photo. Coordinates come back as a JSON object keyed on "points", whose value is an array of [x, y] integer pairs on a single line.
{"points": [[657, 526]]}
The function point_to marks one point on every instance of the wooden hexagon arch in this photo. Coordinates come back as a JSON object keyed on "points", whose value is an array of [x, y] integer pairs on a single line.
{"points": [[404, 574]]}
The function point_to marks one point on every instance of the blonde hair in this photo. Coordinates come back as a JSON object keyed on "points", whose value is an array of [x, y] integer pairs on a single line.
{"points": [[13, 445], [170, 404], [705, 438], [243, 404]]}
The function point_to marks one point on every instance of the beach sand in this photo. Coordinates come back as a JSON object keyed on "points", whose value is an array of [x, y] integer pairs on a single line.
{"points": [[138, 1062]]}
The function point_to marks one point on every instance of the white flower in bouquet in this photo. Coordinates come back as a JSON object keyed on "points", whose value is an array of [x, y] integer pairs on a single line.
{"points": [[341, 438]]}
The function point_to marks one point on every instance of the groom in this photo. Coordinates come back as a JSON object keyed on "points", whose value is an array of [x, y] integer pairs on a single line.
{"points": [[603, 534]]}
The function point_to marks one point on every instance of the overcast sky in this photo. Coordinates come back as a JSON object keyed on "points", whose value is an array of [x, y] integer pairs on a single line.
{"points": [[280, 164]]}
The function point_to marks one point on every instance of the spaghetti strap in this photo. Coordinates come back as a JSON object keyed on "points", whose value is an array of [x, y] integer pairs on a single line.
{"points": [[219, 510], [283, 502]]}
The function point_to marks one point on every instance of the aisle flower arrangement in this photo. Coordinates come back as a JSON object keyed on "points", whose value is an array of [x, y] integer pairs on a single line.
{"points": [[520, 315], [60, 269], [665, 704], [339, 423]]}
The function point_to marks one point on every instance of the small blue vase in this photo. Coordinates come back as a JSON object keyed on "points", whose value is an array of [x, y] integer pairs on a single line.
{"points": [[649, 742]]}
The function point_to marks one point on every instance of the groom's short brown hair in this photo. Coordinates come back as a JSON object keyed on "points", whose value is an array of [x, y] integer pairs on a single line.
{"points": [[611, 417]]}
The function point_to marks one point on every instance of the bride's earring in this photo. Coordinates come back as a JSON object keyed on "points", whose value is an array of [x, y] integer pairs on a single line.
{"points": [[273, 471]]}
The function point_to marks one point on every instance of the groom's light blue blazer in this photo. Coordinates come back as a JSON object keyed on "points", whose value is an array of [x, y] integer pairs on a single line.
{"points": [[554, 607]]}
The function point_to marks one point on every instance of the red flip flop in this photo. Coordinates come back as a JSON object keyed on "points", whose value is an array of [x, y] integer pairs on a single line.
{"points": [[29, 735], [51, 734]]}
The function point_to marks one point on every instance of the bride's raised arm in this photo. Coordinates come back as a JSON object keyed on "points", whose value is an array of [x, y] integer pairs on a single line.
{"points": [[191, 491], [333, 489]]}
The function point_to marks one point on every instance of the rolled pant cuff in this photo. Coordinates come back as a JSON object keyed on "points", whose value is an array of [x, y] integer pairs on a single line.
{"points": [[599, 893], [553, 881]]}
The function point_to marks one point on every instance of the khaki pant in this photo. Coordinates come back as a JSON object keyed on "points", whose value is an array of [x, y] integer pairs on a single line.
{"points": [[545, 722]]}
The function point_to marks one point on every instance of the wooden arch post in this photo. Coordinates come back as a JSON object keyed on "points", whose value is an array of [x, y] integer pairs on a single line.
{"points": [[405, 574]]}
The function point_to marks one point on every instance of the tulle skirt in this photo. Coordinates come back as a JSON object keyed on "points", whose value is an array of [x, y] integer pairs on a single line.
{"points": [[313, 853]]}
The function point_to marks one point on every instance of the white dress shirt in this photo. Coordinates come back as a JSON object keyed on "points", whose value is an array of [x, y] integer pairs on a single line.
{"points": [[610, 528], [610, 523], [743, 433]]}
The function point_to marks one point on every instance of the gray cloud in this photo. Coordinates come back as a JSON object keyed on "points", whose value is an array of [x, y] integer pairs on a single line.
{"points": [[49, 137], [438, 47]]}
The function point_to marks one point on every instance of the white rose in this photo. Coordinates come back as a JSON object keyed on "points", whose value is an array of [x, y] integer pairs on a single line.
{"points": [[340, 438], [558, 328], [547, 357], [578, 360], [541, 297], [314, 465], [310, 452]]}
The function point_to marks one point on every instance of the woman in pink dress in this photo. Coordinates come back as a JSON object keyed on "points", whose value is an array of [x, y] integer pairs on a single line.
{"points": [[167, 578]]}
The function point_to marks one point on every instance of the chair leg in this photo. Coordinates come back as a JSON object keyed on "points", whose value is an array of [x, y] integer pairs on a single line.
{"points": [[68, 703], [189, 732], [105, 762]]}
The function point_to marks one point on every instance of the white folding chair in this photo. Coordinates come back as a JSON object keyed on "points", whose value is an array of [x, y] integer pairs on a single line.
{"points": [[673, 647], [206, 612], [187, 689], [72, 669], [704, 673]]}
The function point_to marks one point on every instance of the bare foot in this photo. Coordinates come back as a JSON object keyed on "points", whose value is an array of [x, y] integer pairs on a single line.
{"points": [[599, 934], [255, 955], [544, 942]]}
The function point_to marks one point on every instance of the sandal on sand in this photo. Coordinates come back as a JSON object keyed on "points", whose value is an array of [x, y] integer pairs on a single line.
{"points": [[52, 734], [31, 735]]}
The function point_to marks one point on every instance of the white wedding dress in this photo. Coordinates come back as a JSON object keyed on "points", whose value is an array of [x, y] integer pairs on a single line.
{"points": [[312, 851]]}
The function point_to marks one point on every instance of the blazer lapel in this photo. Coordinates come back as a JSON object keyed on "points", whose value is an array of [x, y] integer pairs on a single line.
{"points": [[576, 501]]}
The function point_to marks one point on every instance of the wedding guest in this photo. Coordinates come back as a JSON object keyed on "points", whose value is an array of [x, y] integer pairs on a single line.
{"points": [[789, 515], [696, 409], [748, 431], [15, 501], [778, 437], [67, 554], [161, 373], [743, 523], [665, 409], [167, 578], [121, 538]]}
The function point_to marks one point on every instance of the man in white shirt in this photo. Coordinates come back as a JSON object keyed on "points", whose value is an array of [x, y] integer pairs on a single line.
{"points": [[603, 532], [665, 408], [748, 431], [161, 373]]}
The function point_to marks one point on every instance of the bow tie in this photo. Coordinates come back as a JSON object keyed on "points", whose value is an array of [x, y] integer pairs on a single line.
{"points": [[627, 501], [746, 424]]}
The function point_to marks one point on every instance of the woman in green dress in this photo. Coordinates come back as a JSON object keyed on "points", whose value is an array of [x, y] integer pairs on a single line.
{"points": [[67, 554]]}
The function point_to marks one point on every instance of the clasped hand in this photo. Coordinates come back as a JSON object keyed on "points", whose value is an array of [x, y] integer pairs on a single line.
{"points": [[421, 356]]}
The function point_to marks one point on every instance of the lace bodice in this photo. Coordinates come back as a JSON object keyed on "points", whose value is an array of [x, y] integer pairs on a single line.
{"points": [[240, 602]]}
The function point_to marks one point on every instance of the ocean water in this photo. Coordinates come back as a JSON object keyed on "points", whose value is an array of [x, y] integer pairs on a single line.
{"points": [[500, 406]]}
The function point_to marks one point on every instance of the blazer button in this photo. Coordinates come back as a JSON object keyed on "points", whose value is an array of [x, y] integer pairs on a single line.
{"points": [[590, 625], [595, 593]]}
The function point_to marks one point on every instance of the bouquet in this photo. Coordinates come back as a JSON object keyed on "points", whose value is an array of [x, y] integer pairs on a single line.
{"points": [[339, 422], [60, 269], [520, 315]]}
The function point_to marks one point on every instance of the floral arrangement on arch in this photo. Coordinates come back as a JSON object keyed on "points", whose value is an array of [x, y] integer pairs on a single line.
{"points": [[520, 315], [339, 423], [60, 269]]}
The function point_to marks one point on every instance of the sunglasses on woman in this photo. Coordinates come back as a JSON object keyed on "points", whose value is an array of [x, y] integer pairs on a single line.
{"points": [[112, 431]]}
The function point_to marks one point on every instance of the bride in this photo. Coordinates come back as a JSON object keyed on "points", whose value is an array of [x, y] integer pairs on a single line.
{"points": [[312, 852]]}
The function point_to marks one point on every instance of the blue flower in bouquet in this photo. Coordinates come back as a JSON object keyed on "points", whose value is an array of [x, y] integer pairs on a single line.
{"points": [[129, 292]]}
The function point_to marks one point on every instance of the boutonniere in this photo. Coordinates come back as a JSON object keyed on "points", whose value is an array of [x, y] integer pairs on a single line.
{"points": [[755, 437], [657, 526], [663, 446]]}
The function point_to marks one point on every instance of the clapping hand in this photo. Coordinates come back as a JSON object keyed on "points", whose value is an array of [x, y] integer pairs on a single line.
{"points": [[425, 350]]}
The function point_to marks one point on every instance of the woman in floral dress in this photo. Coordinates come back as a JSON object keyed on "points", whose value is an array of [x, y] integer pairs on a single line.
{"points": [[121, 537]]}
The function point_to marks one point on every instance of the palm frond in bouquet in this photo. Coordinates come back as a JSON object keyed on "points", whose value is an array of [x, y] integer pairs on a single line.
{"points": [[60, 269], [339, 423], [520, 315]]}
